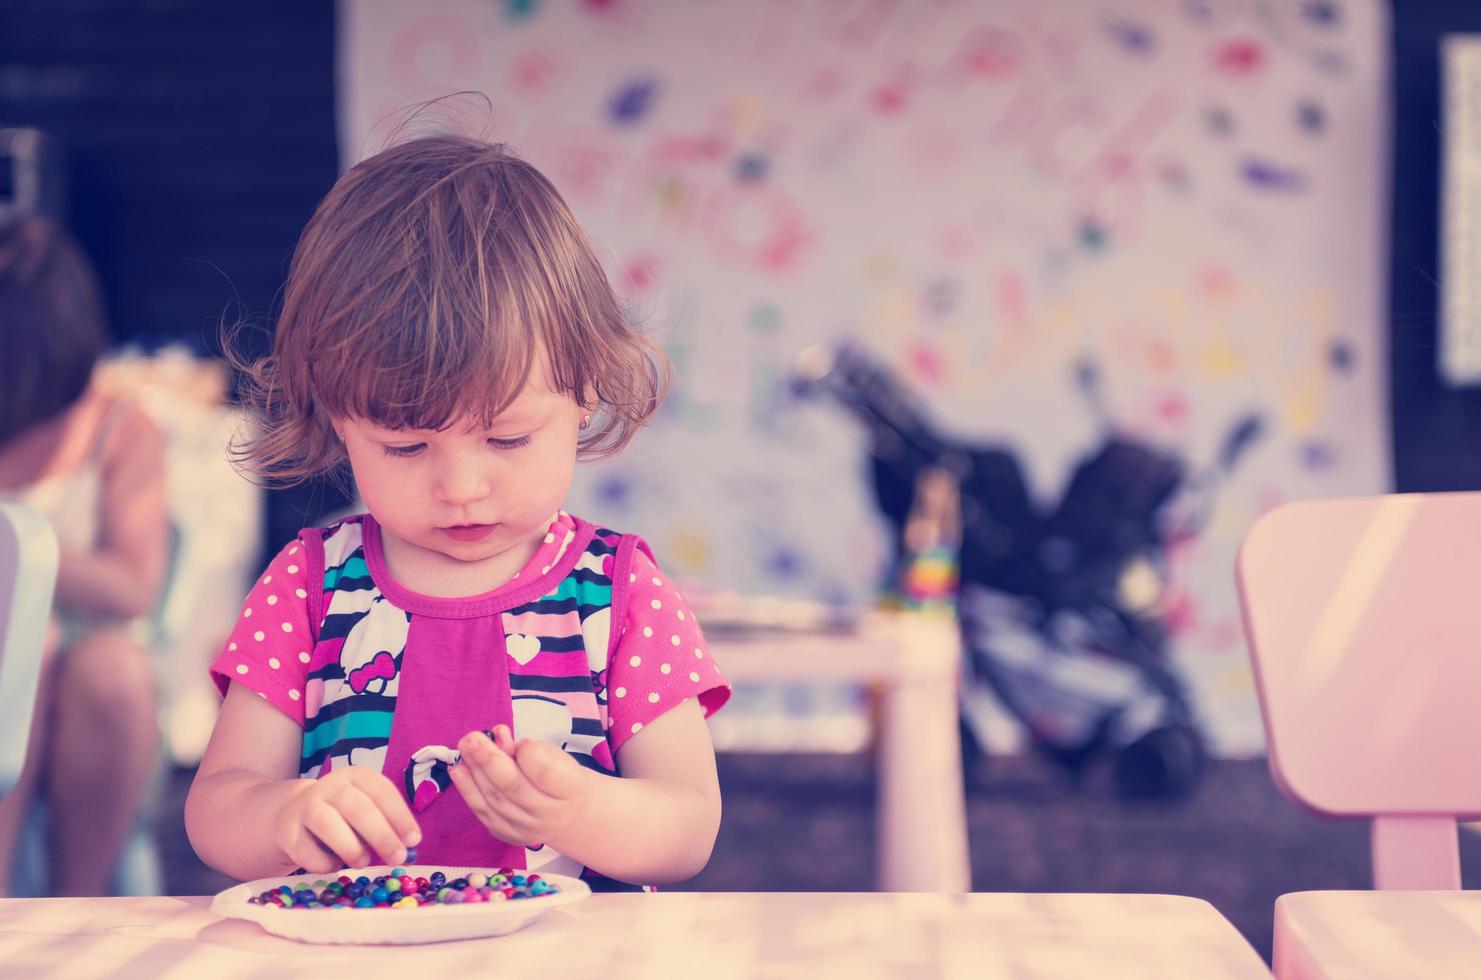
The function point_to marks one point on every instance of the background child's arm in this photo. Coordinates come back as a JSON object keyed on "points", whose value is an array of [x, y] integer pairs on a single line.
{"points": [[656, 824], [122, 575]]}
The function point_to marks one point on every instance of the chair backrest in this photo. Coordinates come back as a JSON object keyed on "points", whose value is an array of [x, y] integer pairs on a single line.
{"points": [[28, 574], [1363, 618]]}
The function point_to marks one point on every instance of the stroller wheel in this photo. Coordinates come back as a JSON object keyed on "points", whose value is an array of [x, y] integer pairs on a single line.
{"points": [[1164, 764]]}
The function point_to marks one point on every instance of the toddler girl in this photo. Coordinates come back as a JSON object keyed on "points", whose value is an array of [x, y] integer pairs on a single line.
{"points": [[448, 332]]}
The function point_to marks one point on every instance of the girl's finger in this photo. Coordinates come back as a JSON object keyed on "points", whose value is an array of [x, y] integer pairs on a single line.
{"points": [[326, 823], [365, 818], [552, 772], [504, 738], [494, 764], [482, 808], [510, 797], [308, 853], [392, 805]]}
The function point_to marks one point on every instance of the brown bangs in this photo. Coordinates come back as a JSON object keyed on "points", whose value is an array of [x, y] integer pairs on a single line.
{"points": [[422, 292]]}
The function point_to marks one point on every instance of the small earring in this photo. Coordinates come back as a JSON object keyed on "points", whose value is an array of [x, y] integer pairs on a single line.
{"points": [[585, 421]]}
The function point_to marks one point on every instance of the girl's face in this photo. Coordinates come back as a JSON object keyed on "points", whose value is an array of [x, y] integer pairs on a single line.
{"points": [[470, 496]]}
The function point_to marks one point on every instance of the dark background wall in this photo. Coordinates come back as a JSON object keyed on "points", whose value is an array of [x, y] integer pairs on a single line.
{"points": [[198, 139], [200, 136]]}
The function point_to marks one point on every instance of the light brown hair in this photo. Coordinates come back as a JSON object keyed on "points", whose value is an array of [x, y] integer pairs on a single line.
{"points": [[420, 292], [52, 325]]}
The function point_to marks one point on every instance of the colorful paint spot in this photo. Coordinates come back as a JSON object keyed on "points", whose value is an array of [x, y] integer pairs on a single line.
{"points": [[1240, 58], [1132, 37], [1092, 235], [1161, 357], [690, 550], [1331, 62], [764, 317], [1318, 456], [1219, 120], [1311, 117], [991, 54], [757, 224], [941, 298], [1172, 409], [1201, 11], [614, 491], [751, 167], [1266, 176], [1322, 12], [1216, 281], [783, 563], [640, 274], [1181, 613], [891, 98], [532, 72], [1174, 176], [518, 10], [633, 101], [1220, 360], [1341, 357], [927, 364]]}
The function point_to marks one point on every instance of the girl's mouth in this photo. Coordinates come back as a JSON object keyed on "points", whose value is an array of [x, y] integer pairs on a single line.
{"points": [[467, 532]]}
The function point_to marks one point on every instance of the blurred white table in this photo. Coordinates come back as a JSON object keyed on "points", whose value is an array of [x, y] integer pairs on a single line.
{"points": [[670, 934], [1378, 934], [921, 836]]}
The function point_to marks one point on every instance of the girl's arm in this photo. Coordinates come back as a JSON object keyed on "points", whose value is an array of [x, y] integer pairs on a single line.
{"points": [[248, 773], [656, 824], [249, 816], [122, 576]]}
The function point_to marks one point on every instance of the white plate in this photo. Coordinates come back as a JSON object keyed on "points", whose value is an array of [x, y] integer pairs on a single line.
{"points": [[428, 924]]}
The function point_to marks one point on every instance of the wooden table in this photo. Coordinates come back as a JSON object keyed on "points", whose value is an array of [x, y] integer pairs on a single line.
{"points": [[915, 658], [719, 936], [1385, 934]]}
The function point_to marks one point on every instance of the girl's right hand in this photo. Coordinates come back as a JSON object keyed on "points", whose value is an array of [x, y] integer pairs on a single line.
{"points": [[335, 821]]}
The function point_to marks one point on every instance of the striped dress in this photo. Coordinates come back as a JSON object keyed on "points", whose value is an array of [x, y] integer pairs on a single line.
{"points": [[378, 675]]}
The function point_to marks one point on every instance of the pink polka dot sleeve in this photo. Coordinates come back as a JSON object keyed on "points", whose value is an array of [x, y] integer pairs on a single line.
{"points": [[660, 659], [268, 650]]}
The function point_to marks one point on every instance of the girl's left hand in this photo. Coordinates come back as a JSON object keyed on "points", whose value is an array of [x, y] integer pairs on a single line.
{"points": [[524, 794]]}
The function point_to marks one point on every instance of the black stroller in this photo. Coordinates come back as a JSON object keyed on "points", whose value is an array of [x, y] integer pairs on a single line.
{"points": [[1059, 611]]}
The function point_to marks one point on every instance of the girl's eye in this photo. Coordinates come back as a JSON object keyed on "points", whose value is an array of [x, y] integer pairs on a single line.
{"points": [[510, 443], [411, 450]]}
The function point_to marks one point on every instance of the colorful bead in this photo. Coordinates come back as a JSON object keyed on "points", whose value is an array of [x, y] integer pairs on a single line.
{"points": [[401, 890]]}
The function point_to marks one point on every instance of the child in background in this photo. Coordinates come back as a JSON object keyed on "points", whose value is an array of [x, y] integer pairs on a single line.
{"points": [[93, 464], [448, 331]]}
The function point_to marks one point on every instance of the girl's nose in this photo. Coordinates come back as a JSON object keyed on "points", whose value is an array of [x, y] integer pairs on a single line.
{"points": [[463, 482]]}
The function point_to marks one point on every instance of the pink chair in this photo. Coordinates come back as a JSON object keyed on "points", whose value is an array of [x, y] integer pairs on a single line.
{"points": [[1363, 618]]}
